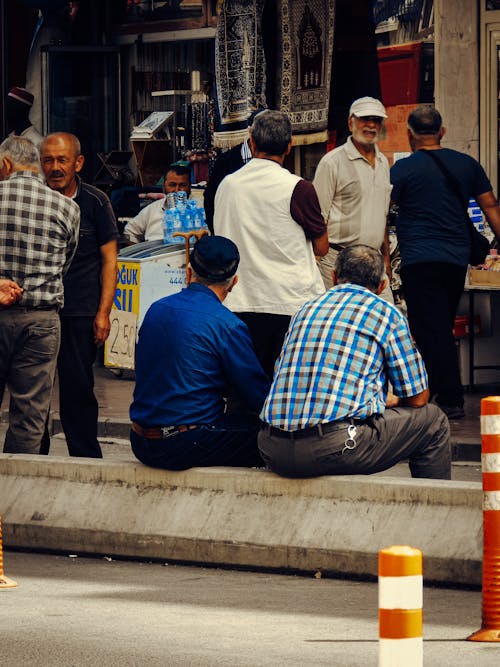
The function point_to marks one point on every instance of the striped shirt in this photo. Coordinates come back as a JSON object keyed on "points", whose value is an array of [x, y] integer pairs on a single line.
{"points": [[38, 237], [340, 352]]}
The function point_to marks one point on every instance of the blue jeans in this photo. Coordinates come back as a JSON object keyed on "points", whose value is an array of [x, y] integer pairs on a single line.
{"points": [[232, 441], [29, 343]]}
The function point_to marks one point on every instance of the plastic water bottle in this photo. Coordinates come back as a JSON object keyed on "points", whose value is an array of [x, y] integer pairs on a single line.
{"points": [[168, 224], [180, 200], [476, 215]]}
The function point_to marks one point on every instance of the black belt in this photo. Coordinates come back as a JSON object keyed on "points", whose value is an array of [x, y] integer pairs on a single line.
{"points": [[319, 430], [336, 246], [161, 432]]}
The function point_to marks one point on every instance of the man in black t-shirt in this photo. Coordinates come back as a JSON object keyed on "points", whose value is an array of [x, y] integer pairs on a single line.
{"points": [[432, 188], [89, 288]]}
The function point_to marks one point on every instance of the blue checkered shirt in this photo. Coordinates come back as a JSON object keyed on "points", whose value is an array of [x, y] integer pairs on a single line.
{"points": [[38, 236], [340, 352]]}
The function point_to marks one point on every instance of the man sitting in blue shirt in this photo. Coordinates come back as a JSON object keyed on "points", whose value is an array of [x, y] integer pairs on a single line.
{"points": [[192, 352], [328, 411]]}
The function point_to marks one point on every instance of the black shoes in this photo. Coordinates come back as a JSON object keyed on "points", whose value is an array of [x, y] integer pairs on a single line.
{"points": [[453, 411]]}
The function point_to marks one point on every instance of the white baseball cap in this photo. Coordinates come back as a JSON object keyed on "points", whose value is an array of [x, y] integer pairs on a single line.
{"points": [[367, 106]]}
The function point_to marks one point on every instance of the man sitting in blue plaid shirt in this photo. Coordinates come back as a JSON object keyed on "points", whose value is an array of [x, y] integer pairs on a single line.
{"points": [[328, 411]]}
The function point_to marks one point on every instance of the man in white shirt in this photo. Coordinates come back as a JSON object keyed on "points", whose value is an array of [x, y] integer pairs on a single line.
{"points": [[274, 218], [353, 186], [147, 225]]}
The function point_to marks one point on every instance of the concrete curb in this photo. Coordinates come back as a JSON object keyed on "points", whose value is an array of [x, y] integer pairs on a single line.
{"points": [[240, 517]]}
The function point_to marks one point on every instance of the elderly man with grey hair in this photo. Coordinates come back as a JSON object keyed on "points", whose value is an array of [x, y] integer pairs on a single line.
{"points": [[275, 220], [432, 188], [38, 237], [328, 411], [353, 186]]}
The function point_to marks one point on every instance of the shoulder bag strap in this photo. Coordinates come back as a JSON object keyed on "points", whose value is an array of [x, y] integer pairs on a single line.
{"points": [[453, 183]]}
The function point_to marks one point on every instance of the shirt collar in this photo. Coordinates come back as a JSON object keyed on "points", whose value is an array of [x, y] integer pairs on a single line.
{"points": [[25, 173], [198, 287], [354, 154]]}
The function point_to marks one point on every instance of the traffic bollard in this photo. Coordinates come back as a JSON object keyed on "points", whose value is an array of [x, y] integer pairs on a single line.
{"points": [[400, 596], [5, 582], [490, 461]]}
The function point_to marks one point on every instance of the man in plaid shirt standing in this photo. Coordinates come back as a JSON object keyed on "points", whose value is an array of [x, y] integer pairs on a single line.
{"points": [[38, 237], [328, 411]]}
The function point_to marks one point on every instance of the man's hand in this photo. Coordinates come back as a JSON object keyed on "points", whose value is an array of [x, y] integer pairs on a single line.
{"points": [[391, 401], [10, 292], [102, 327]]}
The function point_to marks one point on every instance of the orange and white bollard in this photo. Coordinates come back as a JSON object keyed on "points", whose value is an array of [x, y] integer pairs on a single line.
{"points": [[5, 582], [490, 458], [400, 601]]}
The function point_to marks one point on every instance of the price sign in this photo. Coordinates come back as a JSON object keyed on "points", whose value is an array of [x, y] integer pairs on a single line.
{"points": [[119, 350]]}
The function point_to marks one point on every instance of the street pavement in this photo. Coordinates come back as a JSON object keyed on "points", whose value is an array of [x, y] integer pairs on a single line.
{"points": [[83, 612]]}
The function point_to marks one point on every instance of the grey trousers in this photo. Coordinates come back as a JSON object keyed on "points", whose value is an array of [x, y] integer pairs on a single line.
{"points": [[29, 343], [421, 435]]}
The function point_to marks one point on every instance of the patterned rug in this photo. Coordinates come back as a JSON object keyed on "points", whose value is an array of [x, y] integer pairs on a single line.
{"points": [[239, 68], [303, 75]]}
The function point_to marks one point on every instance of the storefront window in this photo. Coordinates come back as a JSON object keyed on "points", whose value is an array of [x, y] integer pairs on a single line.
{"points": [[81, 95], [492, 4], [149, 10]]}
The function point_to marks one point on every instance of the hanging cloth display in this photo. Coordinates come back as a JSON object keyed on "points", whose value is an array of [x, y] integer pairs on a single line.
{"points": [[305, 32], [239, 68]]}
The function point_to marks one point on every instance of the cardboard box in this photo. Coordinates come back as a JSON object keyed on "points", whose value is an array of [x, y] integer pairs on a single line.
{"points": [[484, 278]]}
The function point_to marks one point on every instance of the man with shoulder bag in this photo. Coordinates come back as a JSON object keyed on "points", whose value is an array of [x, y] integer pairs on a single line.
{"points": [[437, 241]]}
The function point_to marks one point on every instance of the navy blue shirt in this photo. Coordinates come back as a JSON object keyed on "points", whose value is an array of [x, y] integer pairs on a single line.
{"points": [[191, 351], [82, 282], [431, 225]]}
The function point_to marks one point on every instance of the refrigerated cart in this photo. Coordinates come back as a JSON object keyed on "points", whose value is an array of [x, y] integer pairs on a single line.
{"points": [[146, 272]]}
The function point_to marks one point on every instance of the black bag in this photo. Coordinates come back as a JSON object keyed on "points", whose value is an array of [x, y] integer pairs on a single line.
{"points": [[479, 244]]}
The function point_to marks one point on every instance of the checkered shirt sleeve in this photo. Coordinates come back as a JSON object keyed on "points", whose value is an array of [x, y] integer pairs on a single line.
{"points": [[38, 236], [340, 352]]}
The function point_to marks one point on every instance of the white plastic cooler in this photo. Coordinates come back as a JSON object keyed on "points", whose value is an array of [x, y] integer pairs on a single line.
{"points": [[146, 272]]}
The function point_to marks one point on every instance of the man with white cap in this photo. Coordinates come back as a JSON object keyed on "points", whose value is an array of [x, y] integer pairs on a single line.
{"points": [[18, 107], [353, 186]]}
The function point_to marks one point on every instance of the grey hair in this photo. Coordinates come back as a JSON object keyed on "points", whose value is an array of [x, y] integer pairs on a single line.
{"points": [[425, 120], [21, 152], [226, 284], [360, 265], [271, 132]]}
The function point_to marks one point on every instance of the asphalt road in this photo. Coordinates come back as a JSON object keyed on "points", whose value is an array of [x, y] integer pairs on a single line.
{"points": [[78, 612]]}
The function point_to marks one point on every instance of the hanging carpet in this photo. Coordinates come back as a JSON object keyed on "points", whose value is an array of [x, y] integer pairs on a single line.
{"points": [[239, 68], [303, 75]]}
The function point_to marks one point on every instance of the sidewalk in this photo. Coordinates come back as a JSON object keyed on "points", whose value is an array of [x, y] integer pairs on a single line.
{"points": [[237, 516]]}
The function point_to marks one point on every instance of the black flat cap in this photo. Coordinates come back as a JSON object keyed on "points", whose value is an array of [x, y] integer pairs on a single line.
{"points": [[215, 258]]}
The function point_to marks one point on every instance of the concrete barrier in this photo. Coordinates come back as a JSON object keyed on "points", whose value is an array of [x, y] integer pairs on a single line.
{"points": [[235, 516]]}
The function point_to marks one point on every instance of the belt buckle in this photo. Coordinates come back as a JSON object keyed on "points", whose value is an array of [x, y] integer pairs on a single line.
{"points": [[167, 431]]}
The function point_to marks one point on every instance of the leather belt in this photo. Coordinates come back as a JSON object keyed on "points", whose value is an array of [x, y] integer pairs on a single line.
{"points": [[319, 430], [336, 246], [161, 432]]}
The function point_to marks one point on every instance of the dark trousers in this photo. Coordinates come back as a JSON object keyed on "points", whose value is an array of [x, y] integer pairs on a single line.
{"points": [[432, 292], [421, 435], [231, 442], [267, 331], [78, 406]]}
